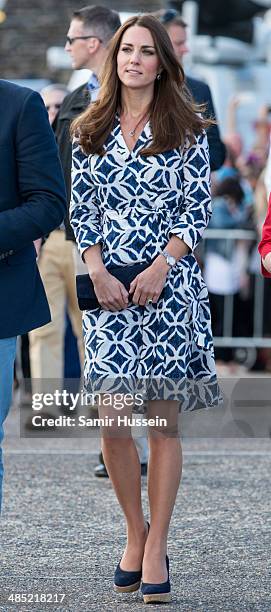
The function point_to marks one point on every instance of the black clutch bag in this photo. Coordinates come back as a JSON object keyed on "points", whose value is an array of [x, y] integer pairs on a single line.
{"points": [[86, 296]]}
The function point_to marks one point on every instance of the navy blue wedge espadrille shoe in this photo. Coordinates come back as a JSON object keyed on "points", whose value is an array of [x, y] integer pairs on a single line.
{"points": [[157, 593], [127, 582]]}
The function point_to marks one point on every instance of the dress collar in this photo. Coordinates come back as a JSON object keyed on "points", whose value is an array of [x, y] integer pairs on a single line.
{"points": [[93, 86]]}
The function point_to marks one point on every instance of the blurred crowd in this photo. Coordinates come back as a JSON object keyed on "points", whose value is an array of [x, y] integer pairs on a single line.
{"points": [[240, 190]]}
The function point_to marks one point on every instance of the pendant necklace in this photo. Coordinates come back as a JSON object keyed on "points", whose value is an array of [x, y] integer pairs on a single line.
{"points": [[133, 131]]}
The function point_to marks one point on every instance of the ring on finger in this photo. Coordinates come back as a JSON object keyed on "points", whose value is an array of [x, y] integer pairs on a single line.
{"points": [[149, 300]]}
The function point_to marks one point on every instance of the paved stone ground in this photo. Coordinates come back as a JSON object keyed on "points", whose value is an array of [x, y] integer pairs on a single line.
{"points": [[62, 531]]}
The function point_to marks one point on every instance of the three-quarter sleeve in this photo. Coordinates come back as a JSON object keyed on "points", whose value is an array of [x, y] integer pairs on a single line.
{"points": [[85, 216], [197, 207]]}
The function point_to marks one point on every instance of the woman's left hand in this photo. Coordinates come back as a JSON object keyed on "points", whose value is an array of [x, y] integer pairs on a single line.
{"points": [[148, 285]]}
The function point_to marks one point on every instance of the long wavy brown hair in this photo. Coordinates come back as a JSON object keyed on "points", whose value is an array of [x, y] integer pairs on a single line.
{"points": [[173, 114]]}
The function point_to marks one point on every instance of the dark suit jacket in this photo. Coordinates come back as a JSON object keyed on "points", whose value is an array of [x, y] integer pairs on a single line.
{"points": [[202, 95], [32, 203], [72, 106]]}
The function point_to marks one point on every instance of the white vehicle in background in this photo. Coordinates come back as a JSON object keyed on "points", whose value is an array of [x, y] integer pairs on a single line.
{"points": [[233, 69], [35, 84]]}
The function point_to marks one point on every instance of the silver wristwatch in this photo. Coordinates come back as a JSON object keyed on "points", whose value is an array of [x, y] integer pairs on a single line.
{"points": [[171, 261]]}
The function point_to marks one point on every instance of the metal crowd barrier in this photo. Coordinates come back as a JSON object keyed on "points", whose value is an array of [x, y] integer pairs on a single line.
{"points": [[228, 340]]}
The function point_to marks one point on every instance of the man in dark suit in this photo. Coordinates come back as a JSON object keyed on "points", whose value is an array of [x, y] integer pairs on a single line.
{"points": [[32, 203], [90, 31], [176, 29]]}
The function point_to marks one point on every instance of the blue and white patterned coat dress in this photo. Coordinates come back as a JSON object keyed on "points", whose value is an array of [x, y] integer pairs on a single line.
{"points": [[132, 205]]}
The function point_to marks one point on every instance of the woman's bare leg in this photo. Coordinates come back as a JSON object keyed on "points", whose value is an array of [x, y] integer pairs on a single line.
{"points": [[123, 466], [164, 475]]}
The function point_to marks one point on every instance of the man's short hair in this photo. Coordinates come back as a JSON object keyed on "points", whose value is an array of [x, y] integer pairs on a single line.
{"points": [[103, 21], [169, 17]]}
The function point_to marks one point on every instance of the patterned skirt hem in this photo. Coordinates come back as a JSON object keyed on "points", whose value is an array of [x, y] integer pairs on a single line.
{"points": [[191, 394]]}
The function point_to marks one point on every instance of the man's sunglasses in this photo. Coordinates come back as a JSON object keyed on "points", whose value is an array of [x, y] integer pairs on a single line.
{"points": [[71, 40]]}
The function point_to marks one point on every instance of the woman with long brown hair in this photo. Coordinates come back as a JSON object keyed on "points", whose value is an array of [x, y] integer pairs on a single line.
{"points": [[140, 195]]}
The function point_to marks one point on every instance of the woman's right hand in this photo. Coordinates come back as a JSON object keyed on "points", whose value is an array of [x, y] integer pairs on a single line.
{"points": [[110, 292]]}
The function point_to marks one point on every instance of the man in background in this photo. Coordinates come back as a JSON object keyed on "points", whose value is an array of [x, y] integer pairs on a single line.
{"points": [[177, 31], [53, 96], [90, 31]]}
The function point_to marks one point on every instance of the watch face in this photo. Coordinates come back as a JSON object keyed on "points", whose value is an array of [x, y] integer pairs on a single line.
{"points": [[171, 260]]}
